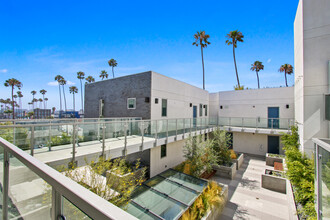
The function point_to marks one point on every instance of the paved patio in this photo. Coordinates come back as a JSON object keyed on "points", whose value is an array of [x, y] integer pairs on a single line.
{"points": [[246, 198]]}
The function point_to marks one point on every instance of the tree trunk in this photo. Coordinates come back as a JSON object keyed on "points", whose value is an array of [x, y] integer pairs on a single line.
{"points": [[43, 99], [59, 89], [74, 108], [258, 79], [64, 98], [236, 66], [203, 67], [12, 99], [82, 101], [113, 74], [286, 82]]}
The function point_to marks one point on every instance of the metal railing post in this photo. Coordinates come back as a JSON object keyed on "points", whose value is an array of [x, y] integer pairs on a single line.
{"points": [[184, 127], [50, 138], [176, 128], [103, 139], [14, 133], [156, 130], [56, 209], [5, 196], [125, 142], [272, 120], [166, 130], [256, 123], [242, 122], [142, 134], [73, 143], [32, 141]]}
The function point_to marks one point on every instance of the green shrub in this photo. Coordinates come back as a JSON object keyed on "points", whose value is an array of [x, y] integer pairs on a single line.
{"points": [[219, 146], [301, 173]]}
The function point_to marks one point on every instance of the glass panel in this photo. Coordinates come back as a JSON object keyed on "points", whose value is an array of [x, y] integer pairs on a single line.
{"points": [[223, 121], [158, 203], [139, 212], [262, 123], [161, 128], [184, 179], [148, 131], [325, 183], [171, 127], [29, 195], [249, 122], [180, 126], [236, 122], [70, 211]]}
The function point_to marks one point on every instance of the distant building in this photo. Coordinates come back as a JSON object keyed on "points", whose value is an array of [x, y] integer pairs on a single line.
{"points": [[68, 114], [41, 113]]}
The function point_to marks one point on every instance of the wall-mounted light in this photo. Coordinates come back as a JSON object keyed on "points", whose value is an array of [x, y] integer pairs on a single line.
{"points": [[220, 106], [190, 104], [287, 106]]}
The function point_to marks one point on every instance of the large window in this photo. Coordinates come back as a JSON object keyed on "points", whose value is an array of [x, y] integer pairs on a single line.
{"points": [[163, 150], [164, 107], [200, 110], [131, 103], [205, 110]]}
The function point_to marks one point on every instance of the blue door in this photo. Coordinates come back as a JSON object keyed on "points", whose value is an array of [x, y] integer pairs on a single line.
{"points": [[194, 115], [273, 144], [273, 117]]}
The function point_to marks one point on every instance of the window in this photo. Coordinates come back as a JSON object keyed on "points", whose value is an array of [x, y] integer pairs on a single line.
{"points": [[131, 103], [200, 110], [205, 110], [164, 107], [163, 150]]}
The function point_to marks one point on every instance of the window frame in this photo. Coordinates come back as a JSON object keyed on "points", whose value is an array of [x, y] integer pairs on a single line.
{"points": [[162, 108], [128, 99], [200, 110], [205, 110], [161, 151]]}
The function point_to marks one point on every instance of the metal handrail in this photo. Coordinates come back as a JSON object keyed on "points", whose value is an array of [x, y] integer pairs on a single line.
{"points": [[88, 202]]}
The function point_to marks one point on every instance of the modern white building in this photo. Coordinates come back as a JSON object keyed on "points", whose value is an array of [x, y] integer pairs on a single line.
{"points": [[312, 55]]}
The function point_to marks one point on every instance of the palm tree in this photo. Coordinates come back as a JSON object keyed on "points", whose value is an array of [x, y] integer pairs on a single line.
{"points": [[73, 90], [202, 39], [257, 66], [13, 83], [90, 79], [63, 83], [45, 99], [53, 110], [33, 94], [30, 104], [113, 63], [58, 78], [233, 38], [287, 69], [40, 104], [81, 76], [43, 92], [104, 74]]}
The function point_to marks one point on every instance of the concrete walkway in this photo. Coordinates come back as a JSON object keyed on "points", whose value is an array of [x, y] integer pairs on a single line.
{"points": [[246, 198]]}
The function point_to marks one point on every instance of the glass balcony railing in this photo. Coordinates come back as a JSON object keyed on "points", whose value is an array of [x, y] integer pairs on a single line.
{"points": [[97, 136], [322, 177], [32, 190]]}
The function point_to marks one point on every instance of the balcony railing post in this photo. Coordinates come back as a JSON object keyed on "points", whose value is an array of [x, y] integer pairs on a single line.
{"points": [[14, 133], [56, 204], [103, 138], [272, 120], [125, 148], [73, 143], [257, 123], [50, 138], [142, 134], [184, 127], [156, 130], [167, 129], [32, 140], [5, 180], [242, 122], [176, 128]]}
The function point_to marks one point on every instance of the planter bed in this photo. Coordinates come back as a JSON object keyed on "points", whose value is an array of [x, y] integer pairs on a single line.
{"points": [[239, 161], [274, 180], [271, 158], [216, 211], [227, 172], [117, 179]]}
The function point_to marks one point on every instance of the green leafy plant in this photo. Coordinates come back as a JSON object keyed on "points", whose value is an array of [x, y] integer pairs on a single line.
{"points": [[219, 146], [301, 173], [21, 136]]}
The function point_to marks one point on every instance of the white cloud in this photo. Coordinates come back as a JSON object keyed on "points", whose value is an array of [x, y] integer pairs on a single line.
{"points": [[55, 83], [3, 71], [269, 60]]}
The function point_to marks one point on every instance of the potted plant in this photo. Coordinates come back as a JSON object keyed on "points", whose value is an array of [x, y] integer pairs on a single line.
{"points": [[224, 165]]}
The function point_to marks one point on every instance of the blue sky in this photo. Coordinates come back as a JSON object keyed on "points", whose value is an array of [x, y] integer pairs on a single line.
{"points": [[41, 39]]}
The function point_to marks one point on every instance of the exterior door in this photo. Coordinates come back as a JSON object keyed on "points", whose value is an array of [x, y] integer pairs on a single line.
{"points": [[273, 117], [194, 115], [273, 144]]}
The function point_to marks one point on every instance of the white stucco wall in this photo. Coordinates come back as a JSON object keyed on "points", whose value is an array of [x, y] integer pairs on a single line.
{"points": [[174, 157], [179, 95], [251, 143], [312, 54], [253, 103]]}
